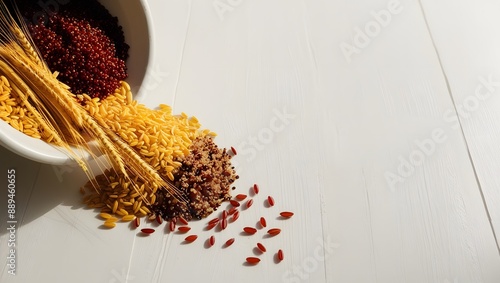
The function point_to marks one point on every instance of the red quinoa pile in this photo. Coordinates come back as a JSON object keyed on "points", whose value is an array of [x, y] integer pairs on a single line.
{"points": [[82, 41], [204, 179]]}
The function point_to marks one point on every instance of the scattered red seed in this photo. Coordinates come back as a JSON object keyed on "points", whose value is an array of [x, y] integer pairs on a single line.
{"points": [[253, 260], [229, 242], [280, 255], [249, 203], [210, 226], [224, 214], [184, 229], [234, 203], [270, 200], [241, 197], [223, 224], [263, 222], [250, 230], [213, 221], [232, 210], [286, 214], [236, 215], [261, 247], [172, 225], [211, 240], [183, 220], [137, 222], [255, 189], [274, 231], [147, 230], [233, 150], [159, 219], [191, 238]]}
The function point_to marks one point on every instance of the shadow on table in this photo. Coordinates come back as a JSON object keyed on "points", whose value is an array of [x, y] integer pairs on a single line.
{"points": [[39, 188]]}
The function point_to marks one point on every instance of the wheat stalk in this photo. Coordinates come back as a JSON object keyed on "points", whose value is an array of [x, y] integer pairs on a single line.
{"points": [[59, 110]]}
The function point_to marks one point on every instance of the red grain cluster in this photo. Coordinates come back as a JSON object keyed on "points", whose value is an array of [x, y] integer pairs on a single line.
{"points": [[222, 220], [83, 42]]}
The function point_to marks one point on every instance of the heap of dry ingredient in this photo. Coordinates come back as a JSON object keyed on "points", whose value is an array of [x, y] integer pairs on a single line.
{"points": [[205, 178], [172, 144], [82, 41]]}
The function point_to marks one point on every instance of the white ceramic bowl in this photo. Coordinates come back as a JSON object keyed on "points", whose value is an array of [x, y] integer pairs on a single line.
{"points": [[134, 17]]}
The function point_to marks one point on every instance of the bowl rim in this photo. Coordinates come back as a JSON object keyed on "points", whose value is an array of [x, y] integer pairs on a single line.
{"points": [[42, 152]]}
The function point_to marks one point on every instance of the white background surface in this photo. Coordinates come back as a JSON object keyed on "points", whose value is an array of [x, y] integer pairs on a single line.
{"points": [[413, 91]]}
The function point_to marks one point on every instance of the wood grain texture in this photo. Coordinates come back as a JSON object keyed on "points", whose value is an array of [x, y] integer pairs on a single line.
{"points": [[468, 43], [363, 149]]}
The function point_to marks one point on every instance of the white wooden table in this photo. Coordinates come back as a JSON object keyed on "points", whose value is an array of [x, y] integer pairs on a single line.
{"points": [[377, 122]]}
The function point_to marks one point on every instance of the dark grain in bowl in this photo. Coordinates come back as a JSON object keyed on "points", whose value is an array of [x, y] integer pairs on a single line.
{"points": [[80, 40]]}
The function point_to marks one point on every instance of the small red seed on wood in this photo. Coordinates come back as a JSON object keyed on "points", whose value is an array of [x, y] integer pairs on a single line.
{"points": [[263, 222], [274, 231], [255, 189], [261, 247], [211, 240], [184, 229], [253, 260], [191, 238], [280, 255], [234, 203], [223, 224], [250, 230], [183, 220], [286, 214], [172, 226], [232, 210], [236, 215], [241, 197], [137, 222], [159, 220], [233, 150], [270, 200], [249, 203], [147, 230], [229, 242], [213, 221]]}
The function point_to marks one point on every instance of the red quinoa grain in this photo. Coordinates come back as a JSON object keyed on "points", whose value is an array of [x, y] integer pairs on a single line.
{"points": [[229, 242], [274, 231], [280, 255], [250, 230], [286, 214], [261, 247], [263, 222], [253, 260], [270, 200], [191, 238], [147, 230]]}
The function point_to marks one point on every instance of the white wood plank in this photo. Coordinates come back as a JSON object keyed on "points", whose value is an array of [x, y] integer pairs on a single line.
{"points": [[348, 124], [468, 42]]}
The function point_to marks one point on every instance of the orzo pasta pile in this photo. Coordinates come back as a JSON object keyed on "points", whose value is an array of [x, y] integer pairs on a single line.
{"points": [[157, 135], [175, 147]]}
